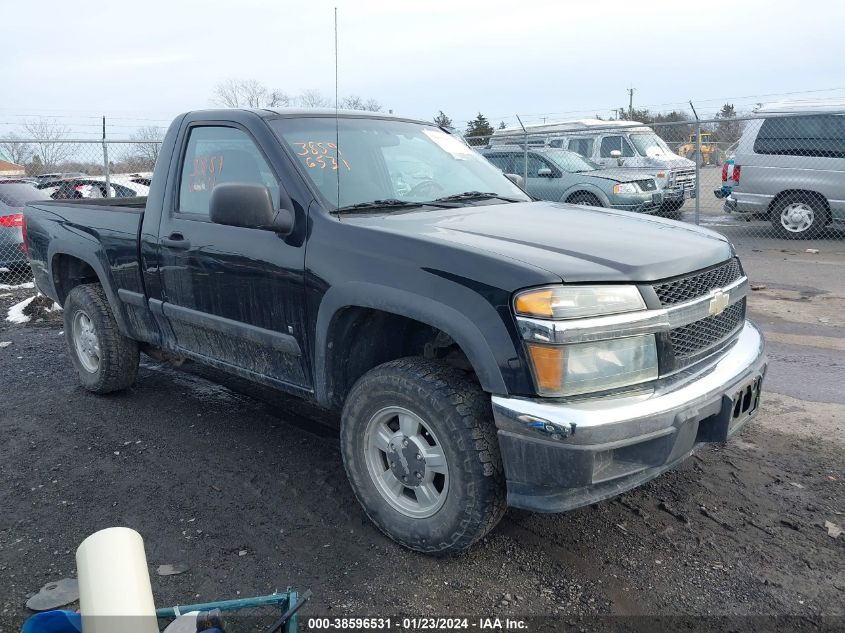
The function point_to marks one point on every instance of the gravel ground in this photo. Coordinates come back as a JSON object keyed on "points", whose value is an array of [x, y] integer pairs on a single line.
{"points": [[246, 486]]}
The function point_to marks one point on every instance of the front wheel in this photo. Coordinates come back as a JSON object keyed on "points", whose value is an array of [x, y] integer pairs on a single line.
{"points": [[583, 199], [420, 451], [798, 216], [105, 360]]}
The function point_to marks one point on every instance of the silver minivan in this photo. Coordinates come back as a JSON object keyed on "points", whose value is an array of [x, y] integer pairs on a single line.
{"points": [[625, 145], [789, 167]]}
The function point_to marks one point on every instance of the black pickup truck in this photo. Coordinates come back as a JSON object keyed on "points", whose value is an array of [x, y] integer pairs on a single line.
{"points": [[484, 349]]}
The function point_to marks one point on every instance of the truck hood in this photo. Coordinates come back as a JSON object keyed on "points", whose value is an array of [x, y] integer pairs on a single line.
{"points": [[576, 243], [615, 175]]}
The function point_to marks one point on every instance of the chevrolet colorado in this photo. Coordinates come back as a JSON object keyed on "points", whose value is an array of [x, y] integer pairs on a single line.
{"points": [[484, 349]]}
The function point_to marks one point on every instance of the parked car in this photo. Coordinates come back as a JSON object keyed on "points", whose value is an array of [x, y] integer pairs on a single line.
{"points": [[789, 167], [14, 196], [59, 176], [624, 145], [563, 176], [90, 187], [459, 327]]}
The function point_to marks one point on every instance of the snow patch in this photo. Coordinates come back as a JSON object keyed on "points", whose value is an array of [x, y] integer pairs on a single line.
{"points": [[16, 315], [29, 284], [24, 311]]}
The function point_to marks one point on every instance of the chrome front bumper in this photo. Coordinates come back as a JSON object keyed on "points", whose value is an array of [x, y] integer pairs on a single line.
{"points": [[559, 455]]}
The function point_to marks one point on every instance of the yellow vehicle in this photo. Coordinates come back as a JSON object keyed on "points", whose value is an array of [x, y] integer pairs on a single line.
{"points": [[710, 152]]}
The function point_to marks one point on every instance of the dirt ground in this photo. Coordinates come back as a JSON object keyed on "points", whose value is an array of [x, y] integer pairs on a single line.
{"points": [[246, 487]]}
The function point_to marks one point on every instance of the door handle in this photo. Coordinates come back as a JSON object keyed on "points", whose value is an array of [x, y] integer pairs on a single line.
{"points": [[176, 240]]}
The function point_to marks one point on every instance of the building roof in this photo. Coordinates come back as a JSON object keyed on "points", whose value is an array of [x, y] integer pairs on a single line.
{"points": [[804, 105]]}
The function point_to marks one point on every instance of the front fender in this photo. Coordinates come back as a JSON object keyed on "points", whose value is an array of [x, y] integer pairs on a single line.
{"points": [[397, 301]]}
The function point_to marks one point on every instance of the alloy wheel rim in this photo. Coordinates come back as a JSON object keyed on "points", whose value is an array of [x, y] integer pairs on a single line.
{"points": [[406, 462], [85, 341]]}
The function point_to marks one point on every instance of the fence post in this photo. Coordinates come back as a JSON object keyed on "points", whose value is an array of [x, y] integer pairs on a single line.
{"points": [[106, 160], [524, 154], [696, 154]]}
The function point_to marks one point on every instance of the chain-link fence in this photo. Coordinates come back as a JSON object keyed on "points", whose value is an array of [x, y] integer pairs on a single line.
{"points": [[775, 175], [38, 169]]}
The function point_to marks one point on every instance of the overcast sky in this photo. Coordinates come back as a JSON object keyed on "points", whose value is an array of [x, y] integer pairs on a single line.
{"points": [[141, 62]]}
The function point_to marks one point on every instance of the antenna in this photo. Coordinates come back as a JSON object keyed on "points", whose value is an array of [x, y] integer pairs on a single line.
{"points": [[336, 116]]}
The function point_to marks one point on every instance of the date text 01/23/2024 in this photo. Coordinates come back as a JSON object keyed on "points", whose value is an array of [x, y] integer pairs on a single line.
{"points": [[416, 624]]}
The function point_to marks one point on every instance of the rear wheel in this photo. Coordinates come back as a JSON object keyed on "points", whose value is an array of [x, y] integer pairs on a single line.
{"points": [[798, 216], [105, 360], [584, 199], [420, 451]]}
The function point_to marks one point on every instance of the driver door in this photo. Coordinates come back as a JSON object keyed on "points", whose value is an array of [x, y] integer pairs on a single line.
{"points": [[614, 142], [231, 295]]}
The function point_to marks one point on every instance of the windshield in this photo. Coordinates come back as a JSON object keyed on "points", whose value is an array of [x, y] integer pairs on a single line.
{"points": [[649, 144], [388, 160], [571, 162], [18, 194]]}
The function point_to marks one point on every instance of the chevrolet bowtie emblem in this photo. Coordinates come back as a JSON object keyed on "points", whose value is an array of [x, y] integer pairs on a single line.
{"points": [[718, 302]]}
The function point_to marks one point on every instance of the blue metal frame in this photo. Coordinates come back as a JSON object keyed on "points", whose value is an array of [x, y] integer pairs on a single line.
{"points": [[283, 600]]}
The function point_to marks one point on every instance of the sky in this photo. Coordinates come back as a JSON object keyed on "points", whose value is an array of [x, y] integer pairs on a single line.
{"points": [[140, 63]]}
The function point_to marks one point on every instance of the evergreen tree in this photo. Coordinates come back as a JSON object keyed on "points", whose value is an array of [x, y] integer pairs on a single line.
{"points": [[479, 130], [442, 120], [728, 129]]}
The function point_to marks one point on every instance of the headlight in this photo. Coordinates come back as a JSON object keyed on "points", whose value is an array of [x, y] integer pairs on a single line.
{"points": [[571, 302], [567, 370], [625, 187]]}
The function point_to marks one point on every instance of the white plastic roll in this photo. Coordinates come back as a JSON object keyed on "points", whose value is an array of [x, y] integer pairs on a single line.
{"points": [[114, 583]]}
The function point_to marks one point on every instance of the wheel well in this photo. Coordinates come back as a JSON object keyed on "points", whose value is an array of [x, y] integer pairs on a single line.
{"points": [[360, 339], [69, 272], [814, 195], [585, 194]]}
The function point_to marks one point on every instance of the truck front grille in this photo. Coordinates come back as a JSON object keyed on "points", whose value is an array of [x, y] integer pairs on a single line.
{"points": [[699, 284], [690, 341], [684, 179]]}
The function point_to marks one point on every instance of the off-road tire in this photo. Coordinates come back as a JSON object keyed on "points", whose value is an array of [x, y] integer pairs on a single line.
{"points": [[118, 364], [584, 198], [459, 412], [820, 218]]}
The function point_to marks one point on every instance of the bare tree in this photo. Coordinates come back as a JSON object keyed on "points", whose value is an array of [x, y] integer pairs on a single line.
{"points": [[354, 102], [147, 144], [49, 142], [16, 150], [312, 99], [248, 93], [278, 99]]}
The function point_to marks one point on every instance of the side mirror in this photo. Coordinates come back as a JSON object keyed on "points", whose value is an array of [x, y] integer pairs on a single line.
{"points": [[615, 153], [544, 172], [516, 179], [248, 205]]}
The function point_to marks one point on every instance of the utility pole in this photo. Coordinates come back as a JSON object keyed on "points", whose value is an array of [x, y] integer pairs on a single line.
{"points": [[631, 103]]}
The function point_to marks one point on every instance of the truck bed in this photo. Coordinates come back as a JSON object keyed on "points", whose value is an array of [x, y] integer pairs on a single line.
{"points": [[86, 239]]}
